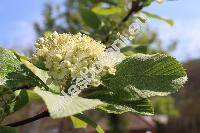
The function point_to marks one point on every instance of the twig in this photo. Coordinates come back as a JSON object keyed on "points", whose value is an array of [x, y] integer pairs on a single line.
{"points": [[135, 7], [29, 120]]}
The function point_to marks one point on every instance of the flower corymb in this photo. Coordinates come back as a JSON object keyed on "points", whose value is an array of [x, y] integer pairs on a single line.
{"points": [[66, 56]]}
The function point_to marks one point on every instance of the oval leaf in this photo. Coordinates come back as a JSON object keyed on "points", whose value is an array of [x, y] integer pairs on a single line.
{"points": [[144, 76]]}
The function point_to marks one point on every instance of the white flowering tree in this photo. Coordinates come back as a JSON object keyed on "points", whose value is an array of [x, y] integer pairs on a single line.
{"points": [[73, 73]]}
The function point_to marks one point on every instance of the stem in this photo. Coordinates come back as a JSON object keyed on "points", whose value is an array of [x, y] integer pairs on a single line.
{"points": [[29, 120]]}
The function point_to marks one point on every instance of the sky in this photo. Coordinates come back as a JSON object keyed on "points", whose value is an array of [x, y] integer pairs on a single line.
{"points": [[17, 17], [16, 22]]}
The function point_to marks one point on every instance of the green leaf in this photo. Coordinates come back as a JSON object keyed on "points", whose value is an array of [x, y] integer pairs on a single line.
{"points": [[144, 76], [169, 21], [63, 106], [160, 1], [134, 49], [86, 119], [6, 97], [106, 11], [12, 101], [119, 104], [22, 98], [165, 106], [143, 107], [14, 74], [78, 123], [90, 18], [5, 129], [109, 108]]}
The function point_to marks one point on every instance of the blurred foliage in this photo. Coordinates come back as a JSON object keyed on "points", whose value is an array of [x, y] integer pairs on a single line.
{"points": [[165, 106]]}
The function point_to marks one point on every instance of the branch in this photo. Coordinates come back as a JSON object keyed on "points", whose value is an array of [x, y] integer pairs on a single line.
{"points": [[135, 7], [29, 120]]}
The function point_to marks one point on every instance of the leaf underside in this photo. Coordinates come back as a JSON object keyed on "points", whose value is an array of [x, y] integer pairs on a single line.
{"points": [[64, 106]]}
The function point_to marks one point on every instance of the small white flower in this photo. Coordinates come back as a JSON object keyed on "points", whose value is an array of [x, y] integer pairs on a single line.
{"points": [[95, 82]]}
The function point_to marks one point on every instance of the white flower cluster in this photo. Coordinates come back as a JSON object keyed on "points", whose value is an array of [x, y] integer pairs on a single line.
{"points": [[66, 56]]}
